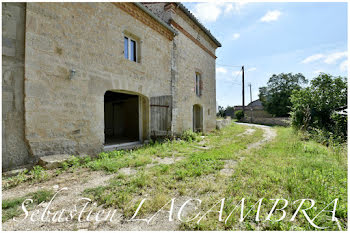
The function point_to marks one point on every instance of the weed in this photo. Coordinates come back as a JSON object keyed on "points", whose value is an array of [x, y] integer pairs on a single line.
{"points": [[166, 180], [189, 136], [288, 167], [11, 207], [38, 173]]}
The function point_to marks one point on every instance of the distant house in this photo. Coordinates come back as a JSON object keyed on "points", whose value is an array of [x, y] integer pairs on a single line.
{"points": [[254, 109], [256, 104]]}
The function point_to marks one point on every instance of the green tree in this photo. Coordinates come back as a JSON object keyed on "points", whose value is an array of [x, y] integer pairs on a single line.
{"points": [[313, 108], [239, 115], [275, 97], [221, 112], [229, 111]]}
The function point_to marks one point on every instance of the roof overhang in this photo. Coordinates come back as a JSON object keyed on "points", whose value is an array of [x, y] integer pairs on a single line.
{"points": [[196, 21], [143, 8]]}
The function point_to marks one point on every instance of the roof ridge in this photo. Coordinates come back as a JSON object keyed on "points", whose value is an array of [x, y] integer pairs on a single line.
{"points": [[193, 18]]}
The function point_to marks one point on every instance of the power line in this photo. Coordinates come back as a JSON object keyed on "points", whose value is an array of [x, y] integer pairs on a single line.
{"points": [[228, 66], [237, 75], [239, 66]]}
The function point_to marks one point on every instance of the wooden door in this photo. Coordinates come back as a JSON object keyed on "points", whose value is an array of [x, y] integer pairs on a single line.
{"points": [[161, 115]]}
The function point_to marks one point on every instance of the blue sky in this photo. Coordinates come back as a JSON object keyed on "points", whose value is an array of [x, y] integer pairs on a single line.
{"points": [[269, 38]]}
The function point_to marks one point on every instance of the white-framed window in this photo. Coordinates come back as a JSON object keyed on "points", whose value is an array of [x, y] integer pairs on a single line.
{"points": [[130, 49], [198, 84]]}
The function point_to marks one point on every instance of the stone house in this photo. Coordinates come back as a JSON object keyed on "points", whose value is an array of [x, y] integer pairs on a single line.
{"points": [[254, 109], [80, 78]]}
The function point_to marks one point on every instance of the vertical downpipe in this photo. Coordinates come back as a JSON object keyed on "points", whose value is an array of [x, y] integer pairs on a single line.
{"points": [[173, 86]]}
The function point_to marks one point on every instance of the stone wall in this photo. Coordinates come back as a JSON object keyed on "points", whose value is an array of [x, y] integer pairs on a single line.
{"points": [[158, 10], [257, 113], [48, 111], [221, 123], [14, 148], [281, 121], [67, 116], [193, 51], [191, 58]]}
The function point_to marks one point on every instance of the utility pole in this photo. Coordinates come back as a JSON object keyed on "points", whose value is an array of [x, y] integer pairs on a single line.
{"points": [[250, 87], [243, 108], [251, 109]]}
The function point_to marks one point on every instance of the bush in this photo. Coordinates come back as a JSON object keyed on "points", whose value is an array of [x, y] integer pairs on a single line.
{"points": [[239, 114], [313, 108], [189, 136], [340, 127]]}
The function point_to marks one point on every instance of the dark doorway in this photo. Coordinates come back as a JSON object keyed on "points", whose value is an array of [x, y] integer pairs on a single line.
{"points": [[121, 118], [197, 118]]}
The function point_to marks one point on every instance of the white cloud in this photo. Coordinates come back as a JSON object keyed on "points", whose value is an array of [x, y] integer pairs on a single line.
{"points": [[228, 8], [227, 76], [271, 16], [312, 58], [344, 65], [334, 57], [210, 11], [221, 74], [318, 72], [252, 69], [238, 6], [236, 36], [330, 58], [207, 12], [221, 70]]}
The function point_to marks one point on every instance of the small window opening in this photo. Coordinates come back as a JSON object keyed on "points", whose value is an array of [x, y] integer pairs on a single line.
{"points": [[198, 84], [130, 49]]}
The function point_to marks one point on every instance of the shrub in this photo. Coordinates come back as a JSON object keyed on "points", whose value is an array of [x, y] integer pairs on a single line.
{"points": [[313, 108], [189, 136], [239, 114], [340, 127]]}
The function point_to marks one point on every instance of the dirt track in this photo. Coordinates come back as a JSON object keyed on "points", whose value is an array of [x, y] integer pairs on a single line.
{"points": [[78, 181]]}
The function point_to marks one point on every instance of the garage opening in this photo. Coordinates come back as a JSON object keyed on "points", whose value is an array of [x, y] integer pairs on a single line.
{"points": [[197, 118], [121, 112]]}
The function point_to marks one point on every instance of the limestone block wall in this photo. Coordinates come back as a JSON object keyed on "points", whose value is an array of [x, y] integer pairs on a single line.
{"points": [[14, 148], [281, 121], [46, 111], [191, 58], [221, 123], [67, 116]]}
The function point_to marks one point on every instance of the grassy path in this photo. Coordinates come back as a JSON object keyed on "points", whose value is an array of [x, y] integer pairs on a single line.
{"points": [[239, 161], [292, 169]]}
